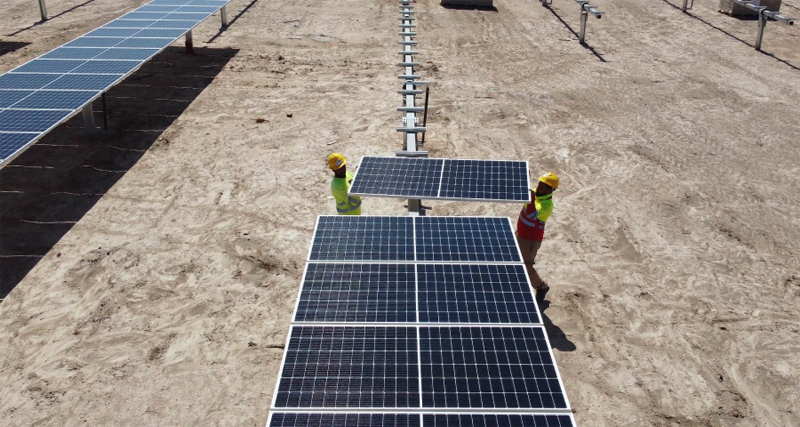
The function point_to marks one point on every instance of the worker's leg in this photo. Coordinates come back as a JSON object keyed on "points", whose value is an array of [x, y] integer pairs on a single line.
{"points": [[529, 249]]}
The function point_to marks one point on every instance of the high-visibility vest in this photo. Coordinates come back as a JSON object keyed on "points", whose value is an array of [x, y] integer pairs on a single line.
{"points": [[531, 221], [345, 204]]}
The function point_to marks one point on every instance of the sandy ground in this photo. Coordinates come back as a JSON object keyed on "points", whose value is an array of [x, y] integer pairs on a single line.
{"points": [[155, 266]]}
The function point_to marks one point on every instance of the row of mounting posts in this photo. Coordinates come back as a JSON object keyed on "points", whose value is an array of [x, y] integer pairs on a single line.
{"points": [[586, 10], [409, 91], [763, 16], [43, 10]]}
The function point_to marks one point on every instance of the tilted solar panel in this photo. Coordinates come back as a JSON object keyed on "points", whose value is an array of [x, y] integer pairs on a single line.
{"points": [[343, 420], [363, 238], [465, 239], [93, 62], [484, 179], [497, 420], [411, 177]]}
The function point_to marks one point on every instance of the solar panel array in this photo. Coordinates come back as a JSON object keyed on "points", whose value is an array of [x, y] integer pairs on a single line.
{"points": [[43, 93], [446, 179], [400, 317]]}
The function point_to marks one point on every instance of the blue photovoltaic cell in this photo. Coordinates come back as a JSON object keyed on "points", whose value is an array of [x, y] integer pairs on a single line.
{"points": [[197, 9], [465, 239], [151, 8], [94, 42], [363, 238], [495, 420], [475, 293], [350, 367], [343, 420], [107, 67], [26, 81], [11, 97], [174, 24], [121, 53], [486, 367], [181, 16], [398, 176], [485, 179], [128, 24], [148, 16], [160, 33], [58, 99], [96, 82], [358, 293], [30, 120], [217, 3], [146, 42], [112, 32], [10, 143], [74, 53], [170, 2], [58, 66]]}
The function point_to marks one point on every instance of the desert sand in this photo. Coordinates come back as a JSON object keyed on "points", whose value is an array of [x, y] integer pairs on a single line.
{"points": [[151, 270]]}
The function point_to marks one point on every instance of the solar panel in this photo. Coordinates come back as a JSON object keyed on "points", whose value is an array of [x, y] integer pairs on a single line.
{"points": [[94, 42], [112, 32], [30, 120], [146, 42], [363, 238], [11, 97], [10, 143], [149, 16], [95, 82], [475, 293], [411, 177], [74, 53], [120, 53], [106, 67], [149, 32], [350, 367], [49, 66], [465, 239], [174, 24], [26, 81], [478, 180], [123, 23], [488, 367], [358, 293], [446, 179], [343, 420], [57, 100], [496, 420]]}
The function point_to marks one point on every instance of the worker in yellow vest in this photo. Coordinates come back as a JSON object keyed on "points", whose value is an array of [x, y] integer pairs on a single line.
{"points": [[530, 228], [340, 186]]}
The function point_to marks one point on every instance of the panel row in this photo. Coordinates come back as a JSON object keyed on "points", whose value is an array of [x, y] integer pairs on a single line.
{"points": [[409, 293], [296, 419], [419, 367], [422, 239], [446, 179]]}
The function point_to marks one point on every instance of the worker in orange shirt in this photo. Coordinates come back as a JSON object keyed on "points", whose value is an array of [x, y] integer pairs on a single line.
{"points": [[530, 228], [345, 204]]}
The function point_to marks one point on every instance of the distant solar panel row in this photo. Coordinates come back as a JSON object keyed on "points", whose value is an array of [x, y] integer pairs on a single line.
{"points": [[416, 420], [421, 239], [409, 293], [447, 179], [39, 95]]}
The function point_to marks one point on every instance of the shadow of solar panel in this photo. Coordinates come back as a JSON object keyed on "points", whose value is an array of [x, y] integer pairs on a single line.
{"points": [[106, 67], [11, 97], [488, 367], [113, 32], [160, 33], [26, 81], [358, 293], [484, 179], [74, 53], [496, 420], [465, 239], [95, 82], [350, 367], [10, 143], [398, 176], [94, 42], [363, 238], [57, 99], [343, 420], [475, 293], [30, 120], [132, 54], [154, 43], [58, 66]]}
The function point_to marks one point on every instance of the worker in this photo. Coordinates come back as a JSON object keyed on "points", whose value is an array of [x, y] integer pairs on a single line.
{"points": [[530, 228], [340, 186]]}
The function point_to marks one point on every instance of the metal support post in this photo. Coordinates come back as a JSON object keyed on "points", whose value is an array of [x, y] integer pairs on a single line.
{"points": [[88, 118], [223, 13], [584, 16], [763, 16], [687, 6], [189, 43], [43, 9], [587, 9], [762, 24], [105, 113]]}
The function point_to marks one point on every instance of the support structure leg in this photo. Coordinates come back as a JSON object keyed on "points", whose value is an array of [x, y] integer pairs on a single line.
{"points": [[88, 118], [415, 207], [584, 16], [43, 9], [762, 24], [223, 13], [189, 44]]}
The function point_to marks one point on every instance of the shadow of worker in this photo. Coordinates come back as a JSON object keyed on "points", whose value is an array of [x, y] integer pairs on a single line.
{"points": [[558, 339]]}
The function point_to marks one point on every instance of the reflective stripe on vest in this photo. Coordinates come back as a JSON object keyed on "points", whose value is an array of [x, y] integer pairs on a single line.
{"points": [[531, 220], [351, 203]]}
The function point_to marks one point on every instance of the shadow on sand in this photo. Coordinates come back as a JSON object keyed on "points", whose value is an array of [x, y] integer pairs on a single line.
{"points": [[8, 47], [51, 17], [51, 186], [558, 339]]}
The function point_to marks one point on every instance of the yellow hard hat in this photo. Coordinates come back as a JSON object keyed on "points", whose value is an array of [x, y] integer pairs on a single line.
{"points": [[336, 161], [550, 179]]}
